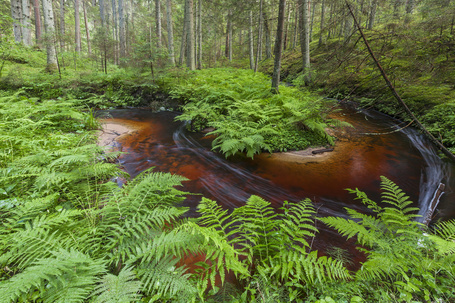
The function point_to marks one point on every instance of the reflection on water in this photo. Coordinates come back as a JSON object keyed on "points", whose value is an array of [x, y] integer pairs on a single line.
{"points": [[368, 151]]}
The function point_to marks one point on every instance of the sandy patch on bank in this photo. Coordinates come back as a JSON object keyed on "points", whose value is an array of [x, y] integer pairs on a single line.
{"points": [[111, 132]]}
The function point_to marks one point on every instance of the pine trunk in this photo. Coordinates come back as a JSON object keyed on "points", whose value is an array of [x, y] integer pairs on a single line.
{"points": [[278, 46], [170, 33]]}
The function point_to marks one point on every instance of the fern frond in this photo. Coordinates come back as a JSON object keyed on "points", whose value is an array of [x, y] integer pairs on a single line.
{"points": [[118, 289]]}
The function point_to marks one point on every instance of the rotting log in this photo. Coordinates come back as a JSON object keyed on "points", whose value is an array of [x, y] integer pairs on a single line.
{"points": [[320, 151], [434, 203], [446, 152]]}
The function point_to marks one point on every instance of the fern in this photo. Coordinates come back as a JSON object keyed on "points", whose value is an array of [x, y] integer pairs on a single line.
{"points": [[117, 289]]}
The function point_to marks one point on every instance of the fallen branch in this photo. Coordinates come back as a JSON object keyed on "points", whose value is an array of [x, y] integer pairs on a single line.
{"points": [[389, 84]]}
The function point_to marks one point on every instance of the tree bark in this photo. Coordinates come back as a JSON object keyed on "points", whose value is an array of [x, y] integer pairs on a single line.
{"points": [[16, 14], [158, 23], [49, 28], [77, 25], [199, 36], [121, 14], [258, 51], [184, 37], [286, 29], [250, 41], [268, 36], [190, 36], [278, 46], [371, 20], [322, 23], [87, 31], [62, 25], [170, 33], [26, 23], [37, 20], [102, 13], [305, 39]]}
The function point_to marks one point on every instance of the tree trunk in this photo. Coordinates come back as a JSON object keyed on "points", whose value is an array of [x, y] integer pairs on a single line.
{"points": [[268, 36], [230, 36], [278, 46], [77, 23], [16, 14], [49, 28], [312, 21], [158, 23], [87, 31], [305, 39], [184, 37], [258, 51], [62, 25], [286, 30], [102, 14], [115, 32], [322, 23], [26, 23], [374, 5], [170, 34], [121, 14], [250, 41], [296, 27], [190, 36], [37, 20], [199, 36]]}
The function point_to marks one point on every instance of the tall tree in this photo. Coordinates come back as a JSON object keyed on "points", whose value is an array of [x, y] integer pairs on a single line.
{"points": [[190, 36], [36, 9], [373, 8], [322, 23], [26, 23], [77, 26], [278, 46], [305, 38], [268, 35], [258, 51], [158, 23], [87, 31], [62, 25], [250, 41], [199, 35], [16, 14], [121, 14], [170, 33], [49, 28]]}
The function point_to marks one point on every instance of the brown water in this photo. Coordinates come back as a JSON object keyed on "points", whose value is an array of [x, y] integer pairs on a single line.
{"points": [[366, 152]]}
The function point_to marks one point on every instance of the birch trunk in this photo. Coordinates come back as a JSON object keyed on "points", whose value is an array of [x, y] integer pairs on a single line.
{"points": [[170, 34], [49, 28]]}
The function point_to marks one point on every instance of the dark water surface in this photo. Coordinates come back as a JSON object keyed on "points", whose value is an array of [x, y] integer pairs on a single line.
{"points": [[372, 149]]}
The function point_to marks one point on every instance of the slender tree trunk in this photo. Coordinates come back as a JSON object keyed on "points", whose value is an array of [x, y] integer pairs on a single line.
{"points": [[87, 31], [296, 26], [286, 30], [312, 21], [16, 13], [115, 32], [62, 25], [121, 14], [190, 36], [102, 13], [258, 51], [230, 36], [322, 23], [77, 22], [199, 36], [158, 23], [49, 27], [26, 23], [305, 39], [374, 5], [170, 34], [278, 46], [184, 37], [250, 41], [37, 20], [268, 36]]}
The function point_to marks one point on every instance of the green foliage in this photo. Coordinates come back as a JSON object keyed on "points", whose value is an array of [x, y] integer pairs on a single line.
{"points": [[247, 117], [400, 257]]}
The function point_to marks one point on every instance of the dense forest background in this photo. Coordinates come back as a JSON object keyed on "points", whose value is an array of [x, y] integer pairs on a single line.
{"points": [[68, 234]]}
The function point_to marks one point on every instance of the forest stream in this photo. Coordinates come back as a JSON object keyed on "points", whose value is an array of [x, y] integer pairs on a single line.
{"points": [[376, 146]]}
